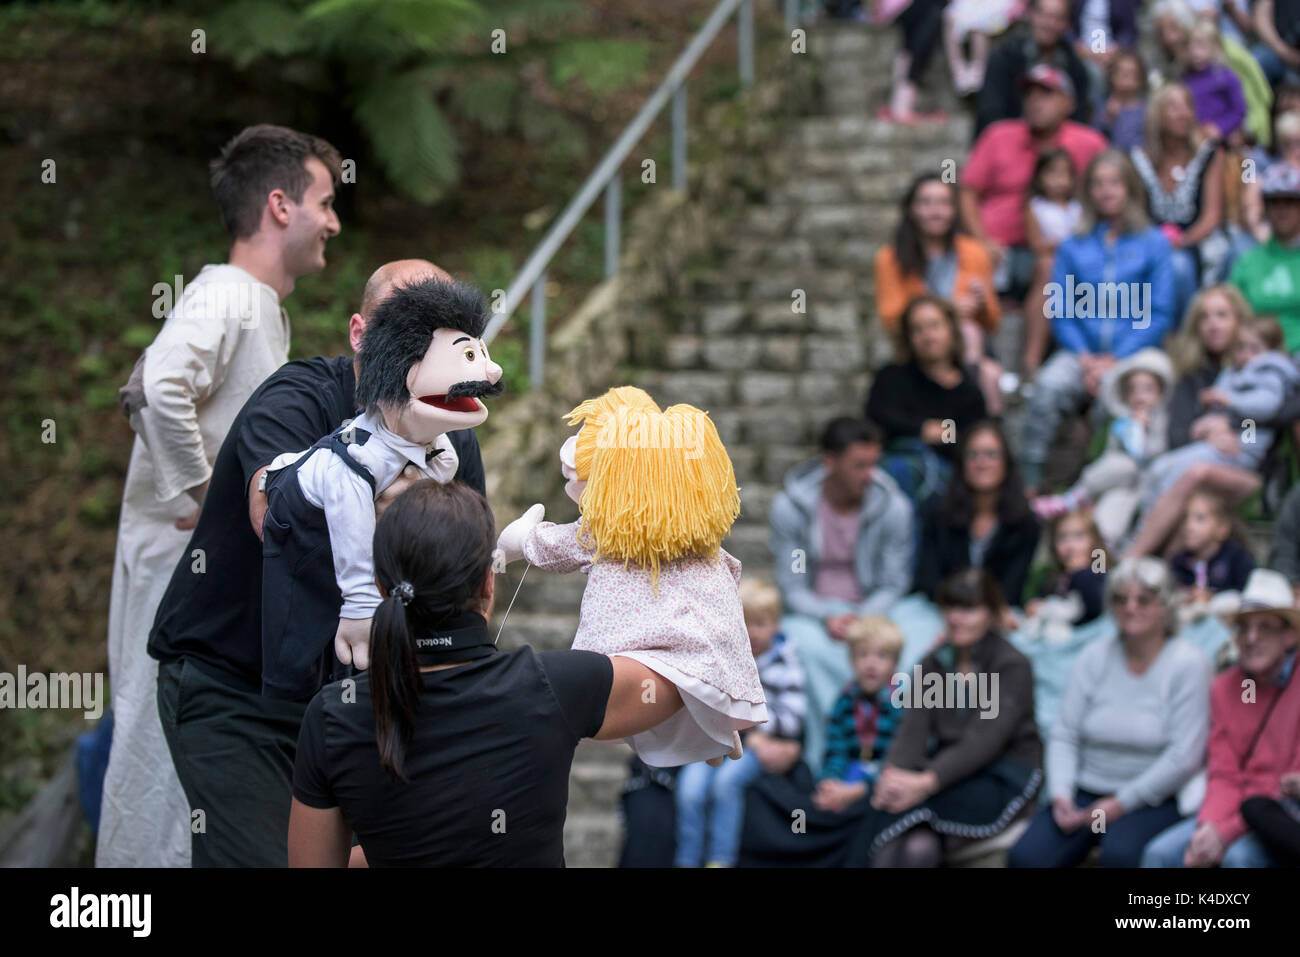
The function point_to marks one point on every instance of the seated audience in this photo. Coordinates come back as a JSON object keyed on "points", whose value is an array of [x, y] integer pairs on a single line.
{"points": [[1118, 249], [1211, 558], [1040, 41], [1269, 275], [864, 718], [1130, 733], [1277, 23], [1254, 735], [1135, 392], [1052, 216], [1123, 115], [862, 726], [711, 800], [925, 400], [1216, 92], [995, 180], [1182, 175], [1079, 563], [1200, 350], [958, 765], [929, 255], [1235, 432], [982, 521], [842, 548]]}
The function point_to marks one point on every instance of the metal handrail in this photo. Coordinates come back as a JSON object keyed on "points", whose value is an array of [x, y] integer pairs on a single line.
{"points": [[532, 277]]}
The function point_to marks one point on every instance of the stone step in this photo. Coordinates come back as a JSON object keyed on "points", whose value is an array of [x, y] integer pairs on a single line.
{"points": [[592, 839], [596, 787]]}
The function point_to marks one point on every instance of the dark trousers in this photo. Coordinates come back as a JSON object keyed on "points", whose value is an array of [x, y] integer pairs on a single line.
{"points": [[922, 24], [1045, 845], [233, 752], [1277, 825]]}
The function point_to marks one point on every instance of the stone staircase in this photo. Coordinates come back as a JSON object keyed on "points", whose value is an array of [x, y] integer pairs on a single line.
{"points": [[769, 376]]}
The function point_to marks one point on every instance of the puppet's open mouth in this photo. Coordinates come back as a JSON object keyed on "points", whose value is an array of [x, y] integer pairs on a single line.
{"points": [[464, 403]]}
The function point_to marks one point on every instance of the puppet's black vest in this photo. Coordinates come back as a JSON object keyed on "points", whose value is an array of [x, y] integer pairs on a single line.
{"points": [[300, 595]]}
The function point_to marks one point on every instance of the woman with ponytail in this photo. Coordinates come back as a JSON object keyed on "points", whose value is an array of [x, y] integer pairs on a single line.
{"points": [[448, 751]]}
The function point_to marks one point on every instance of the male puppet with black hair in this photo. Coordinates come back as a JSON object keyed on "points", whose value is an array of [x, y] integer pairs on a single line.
{"points": [[423, 368]]}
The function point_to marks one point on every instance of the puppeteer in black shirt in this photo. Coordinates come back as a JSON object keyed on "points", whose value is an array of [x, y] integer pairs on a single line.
{"points": [[211, 613], [487, 766]]}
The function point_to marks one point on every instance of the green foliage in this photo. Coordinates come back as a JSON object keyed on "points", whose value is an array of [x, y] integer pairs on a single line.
{"points": [[423, 158], [603, 66]]}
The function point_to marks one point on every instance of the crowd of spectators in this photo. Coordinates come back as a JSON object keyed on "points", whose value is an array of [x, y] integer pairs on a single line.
{"points": [[1133, 195]]}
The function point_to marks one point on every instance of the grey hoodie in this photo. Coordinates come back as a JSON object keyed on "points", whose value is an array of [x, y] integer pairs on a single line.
{"points": [[1258, 392], [885, 546]]}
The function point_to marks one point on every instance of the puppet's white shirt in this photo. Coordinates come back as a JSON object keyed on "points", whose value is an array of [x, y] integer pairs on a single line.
{"points": [[328, 483], [690, 629]]}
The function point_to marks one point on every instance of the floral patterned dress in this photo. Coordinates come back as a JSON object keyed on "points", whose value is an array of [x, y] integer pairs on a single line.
{"points": [[690, 629]]}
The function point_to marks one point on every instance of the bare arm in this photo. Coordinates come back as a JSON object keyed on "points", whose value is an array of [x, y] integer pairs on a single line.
{"points": [[318, 837], [639, 700], [1267, 31], [256, 502], [969, 202]]}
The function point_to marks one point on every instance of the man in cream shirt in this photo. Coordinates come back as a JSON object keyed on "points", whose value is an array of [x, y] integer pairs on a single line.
{"points": [[225, 334]]}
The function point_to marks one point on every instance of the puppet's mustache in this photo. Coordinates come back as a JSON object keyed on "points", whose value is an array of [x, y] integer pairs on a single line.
{"points": [[476, 388]]}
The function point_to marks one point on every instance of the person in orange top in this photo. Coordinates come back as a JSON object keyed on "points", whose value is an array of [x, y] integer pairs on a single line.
{"points": [[929, 256]]}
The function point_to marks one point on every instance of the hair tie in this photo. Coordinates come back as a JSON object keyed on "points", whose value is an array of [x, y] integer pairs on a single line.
{"points": [[403, 591]]}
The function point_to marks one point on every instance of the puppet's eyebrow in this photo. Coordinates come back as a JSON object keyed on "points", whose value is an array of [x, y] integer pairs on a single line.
{"points": [[461, 339]]}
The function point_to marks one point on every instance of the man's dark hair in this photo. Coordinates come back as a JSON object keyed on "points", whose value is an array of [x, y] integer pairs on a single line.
{"points": [[258, 160], [398, 334], [840, 433]]}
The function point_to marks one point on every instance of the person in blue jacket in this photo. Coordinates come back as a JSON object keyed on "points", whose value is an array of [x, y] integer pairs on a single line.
{"points": [[1111, 294]]}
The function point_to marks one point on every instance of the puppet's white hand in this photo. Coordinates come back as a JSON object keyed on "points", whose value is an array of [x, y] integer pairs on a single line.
{"points": [[569, 468], [352, 642], [737, 750], [510, 543]]}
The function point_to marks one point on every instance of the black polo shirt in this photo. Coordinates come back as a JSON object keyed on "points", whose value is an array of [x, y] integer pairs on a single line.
{"points": [[487, 766], [211, 612]]}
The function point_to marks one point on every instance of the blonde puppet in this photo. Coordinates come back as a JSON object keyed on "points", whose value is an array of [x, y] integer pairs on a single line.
{"points": [[656, 494]]}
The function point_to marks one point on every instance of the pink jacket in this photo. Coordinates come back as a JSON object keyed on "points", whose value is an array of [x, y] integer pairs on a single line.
{"points": [[1233, 723]]}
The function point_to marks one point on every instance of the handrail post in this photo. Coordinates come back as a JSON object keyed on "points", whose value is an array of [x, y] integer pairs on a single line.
{"points": [[745, 42], [537, 334], [791, 14], [679, 136], [613, 223]]}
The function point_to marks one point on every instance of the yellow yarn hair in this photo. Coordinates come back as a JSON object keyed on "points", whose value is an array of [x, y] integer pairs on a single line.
{"points": [[660, 485]]}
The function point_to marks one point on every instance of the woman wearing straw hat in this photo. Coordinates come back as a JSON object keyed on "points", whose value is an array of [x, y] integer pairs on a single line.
{"points": [[1254, 734]]}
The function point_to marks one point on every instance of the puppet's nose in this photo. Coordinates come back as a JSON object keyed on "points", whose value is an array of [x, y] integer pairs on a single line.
{"points": [[493, 372]]}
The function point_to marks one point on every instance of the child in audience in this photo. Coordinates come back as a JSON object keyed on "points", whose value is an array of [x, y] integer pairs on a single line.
{"points": [[1211, 559], [1135, 392], [1216, 91], [1121, 119], [864, 718], [980, 20], [711, 800], [1079, 563], [1052, 215], [1242, 406]]}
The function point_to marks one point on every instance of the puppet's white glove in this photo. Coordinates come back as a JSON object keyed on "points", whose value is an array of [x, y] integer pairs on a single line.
{"points": [[510, 543], [352, 642], [569, 468]]}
